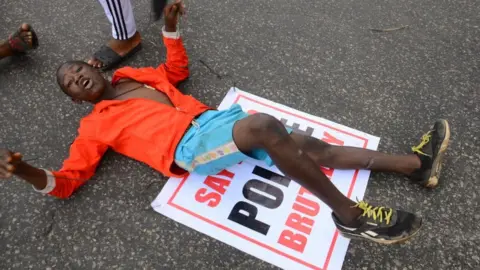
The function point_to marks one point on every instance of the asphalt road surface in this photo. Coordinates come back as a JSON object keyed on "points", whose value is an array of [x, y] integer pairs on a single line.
{"points": [[317, 56]]}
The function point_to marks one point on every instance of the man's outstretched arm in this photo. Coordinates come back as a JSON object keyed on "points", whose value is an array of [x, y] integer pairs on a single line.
{"points": [[11, 163], [85, 154], [176, 65]]}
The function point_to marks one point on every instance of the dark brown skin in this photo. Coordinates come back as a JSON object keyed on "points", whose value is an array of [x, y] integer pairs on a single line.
{"points": [[73, 77], [298, 156], [122, 47], [5, 50], [84, 83]]}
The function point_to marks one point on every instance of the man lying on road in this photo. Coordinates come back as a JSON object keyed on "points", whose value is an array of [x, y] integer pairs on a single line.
{"points": [[142, 115]]}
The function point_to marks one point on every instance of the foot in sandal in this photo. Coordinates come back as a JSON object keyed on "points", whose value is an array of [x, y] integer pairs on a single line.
{"points": [[20, 42], [115, 52]]}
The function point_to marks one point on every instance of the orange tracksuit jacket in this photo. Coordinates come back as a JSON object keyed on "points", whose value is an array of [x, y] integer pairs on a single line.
{"points": [[141, 129]]}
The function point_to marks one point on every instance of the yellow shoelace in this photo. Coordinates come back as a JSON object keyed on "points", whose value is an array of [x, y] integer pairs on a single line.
{"points": [[375, 212], [425, 139]]}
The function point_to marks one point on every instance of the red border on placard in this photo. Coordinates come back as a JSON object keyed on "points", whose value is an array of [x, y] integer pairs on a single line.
{"points": [[211, 222]]}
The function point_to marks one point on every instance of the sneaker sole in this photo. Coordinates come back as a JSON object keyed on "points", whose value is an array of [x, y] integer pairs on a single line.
{"points": [[437, 163], [381, 241]]}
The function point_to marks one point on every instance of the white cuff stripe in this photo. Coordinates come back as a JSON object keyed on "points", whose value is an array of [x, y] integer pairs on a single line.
{"points": [[50, 183], [172, 35]]}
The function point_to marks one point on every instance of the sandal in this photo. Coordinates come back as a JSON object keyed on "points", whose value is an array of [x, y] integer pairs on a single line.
{"points": [[19, 45], [110, 58]]}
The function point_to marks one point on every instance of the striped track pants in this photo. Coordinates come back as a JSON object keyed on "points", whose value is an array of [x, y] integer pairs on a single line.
{"points": [[120, 15]]}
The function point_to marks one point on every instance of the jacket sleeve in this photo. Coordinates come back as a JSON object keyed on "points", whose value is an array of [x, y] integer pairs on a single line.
{"points": [[176, 65], [85, 154]]}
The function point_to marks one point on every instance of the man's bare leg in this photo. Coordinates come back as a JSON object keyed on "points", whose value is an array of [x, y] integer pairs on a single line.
{"points": [[344, 157], [423, 166], [362, 220], [264, 131]]}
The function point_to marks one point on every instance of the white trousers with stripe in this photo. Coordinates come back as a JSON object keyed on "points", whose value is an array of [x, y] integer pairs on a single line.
{"points": [[120, 15]]}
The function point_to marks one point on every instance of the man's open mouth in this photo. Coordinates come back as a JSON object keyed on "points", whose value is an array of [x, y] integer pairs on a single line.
{"points": [[87, 83]]}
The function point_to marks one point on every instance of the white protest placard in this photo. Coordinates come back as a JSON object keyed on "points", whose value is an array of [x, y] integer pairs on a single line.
{"points": [[252, 207]]}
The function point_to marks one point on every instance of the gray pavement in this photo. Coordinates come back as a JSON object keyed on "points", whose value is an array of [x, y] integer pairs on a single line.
{"points": [[318, 56]]}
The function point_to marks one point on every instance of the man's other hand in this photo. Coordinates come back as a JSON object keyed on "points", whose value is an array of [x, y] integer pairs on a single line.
{"points": [[8, 163], [171, 15]]}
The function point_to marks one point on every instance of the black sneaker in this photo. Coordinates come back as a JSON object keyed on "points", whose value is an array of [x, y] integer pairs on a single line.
{"points": [[430, 151], [381, 224]]}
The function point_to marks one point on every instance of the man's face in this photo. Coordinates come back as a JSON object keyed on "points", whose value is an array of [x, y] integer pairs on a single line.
{"points": [[81, 81]]}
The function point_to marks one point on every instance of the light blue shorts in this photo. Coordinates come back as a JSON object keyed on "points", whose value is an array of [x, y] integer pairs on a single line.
{"points": [[208, 147]]}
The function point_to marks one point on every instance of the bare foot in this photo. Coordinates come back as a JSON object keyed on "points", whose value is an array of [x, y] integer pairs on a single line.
{"points": [[25, 34], [122, 47]]}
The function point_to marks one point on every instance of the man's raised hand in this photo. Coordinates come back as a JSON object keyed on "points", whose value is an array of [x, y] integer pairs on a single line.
{"points": [[8, 163], [171, 13]]}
